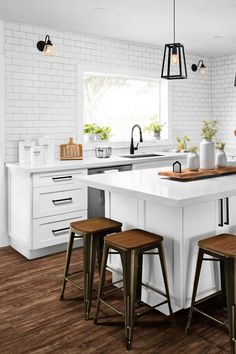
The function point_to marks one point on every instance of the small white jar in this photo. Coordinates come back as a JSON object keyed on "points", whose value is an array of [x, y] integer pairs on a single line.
{"points": [[193, 161], [221, 159]]}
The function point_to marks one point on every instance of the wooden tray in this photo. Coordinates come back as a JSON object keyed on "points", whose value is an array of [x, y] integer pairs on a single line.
{"points": [[71, 151], [187, 175]]}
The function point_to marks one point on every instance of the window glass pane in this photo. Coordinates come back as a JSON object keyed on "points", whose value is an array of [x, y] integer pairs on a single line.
{"points": [[120, 102]]}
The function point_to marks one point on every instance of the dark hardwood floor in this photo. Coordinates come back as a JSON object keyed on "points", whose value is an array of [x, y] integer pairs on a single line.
{"points": [[34, 320]]}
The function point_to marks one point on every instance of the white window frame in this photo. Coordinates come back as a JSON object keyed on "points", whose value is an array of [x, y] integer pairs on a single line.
{"points": [[110, 70]]}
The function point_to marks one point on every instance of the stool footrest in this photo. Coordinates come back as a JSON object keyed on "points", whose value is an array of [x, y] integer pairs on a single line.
{"points": [[72, 282], [210, 317], [77, 272], [150, 308], [111, 307], [208, 297], [153, 289]]}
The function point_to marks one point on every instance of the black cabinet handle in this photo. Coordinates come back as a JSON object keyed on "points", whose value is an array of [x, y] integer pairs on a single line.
{"points": [[60, 230], [57, 179], [227, 211], [65, 200], [221, 224]]}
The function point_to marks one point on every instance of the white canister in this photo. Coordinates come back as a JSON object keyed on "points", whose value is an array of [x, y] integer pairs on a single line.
{"points": [[48, 149], [221, 159], [25, 151], [36, 155], [193, 161], [207, 154]]}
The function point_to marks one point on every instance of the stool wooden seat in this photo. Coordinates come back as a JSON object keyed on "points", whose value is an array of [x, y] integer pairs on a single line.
{"points": [[132, 245], [223, 244], [92, 231], [223, 249]]}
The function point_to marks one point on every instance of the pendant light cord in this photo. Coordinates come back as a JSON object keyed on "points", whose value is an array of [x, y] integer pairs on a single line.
{"points": [[174, 19]]}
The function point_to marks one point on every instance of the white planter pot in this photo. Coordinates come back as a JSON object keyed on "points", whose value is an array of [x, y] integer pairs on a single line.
{"points": [[221, 159], [207, 155], [157, 135], [193, 161]]}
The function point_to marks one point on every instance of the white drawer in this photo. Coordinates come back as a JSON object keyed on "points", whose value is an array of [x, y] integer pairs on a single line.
{"points": [[54, 230], [57, 178], [56, 200]]}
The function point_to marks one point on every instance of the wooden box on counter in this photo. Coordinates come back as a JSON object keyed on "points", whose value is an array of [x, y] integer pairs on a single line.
{"points": [[71, 151]]}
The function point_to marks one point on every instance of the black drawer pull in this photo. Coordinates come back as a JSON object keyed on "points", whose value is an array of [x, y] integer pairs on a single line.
{"points": [[57, 179], [65, 200], [60, 230], [227, 211], [221, 224]]}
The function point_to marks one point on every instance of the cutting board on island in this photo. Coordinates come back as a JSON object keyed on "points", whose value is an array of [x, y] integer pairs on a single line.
{"points": [[188, 175]]}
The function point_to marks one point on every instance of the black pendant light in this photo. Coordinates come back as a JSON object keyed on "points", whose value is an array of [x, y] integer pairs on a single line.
{"points": [[174, 63]]}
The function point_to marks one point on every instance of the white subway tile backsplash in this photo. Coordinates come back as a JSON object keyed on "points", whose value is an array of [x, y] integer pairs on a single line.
{"points": [[41, 94]]}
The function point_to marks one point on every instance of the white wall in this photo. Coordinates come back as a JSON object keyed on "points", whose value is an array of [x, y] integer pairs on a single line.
{"points": [[3, 201], [224, 97], [41, 95]]}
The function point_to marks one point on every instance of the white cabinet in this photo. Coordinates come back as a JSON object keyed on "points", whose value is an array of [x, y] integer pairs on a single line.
{"points": [[41, 208], [181, 228]]}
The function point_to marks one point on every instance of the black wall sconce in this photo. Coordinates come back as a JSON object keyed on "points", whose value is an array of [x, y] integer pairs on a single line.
{"points": [[200, 67], [235, 81], [174, 63], [46, 46]]}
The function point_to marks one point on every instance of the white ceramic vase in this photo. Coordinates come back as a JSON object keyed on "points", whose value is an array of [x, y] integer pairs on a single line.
{"points": [[221, 159], [157, 135], [193, 161], [207, 155]]}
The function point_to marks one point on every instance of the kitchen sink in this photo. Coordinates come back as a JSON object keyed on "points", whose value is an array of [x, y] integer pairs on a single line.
{"points": [[137, 156]]}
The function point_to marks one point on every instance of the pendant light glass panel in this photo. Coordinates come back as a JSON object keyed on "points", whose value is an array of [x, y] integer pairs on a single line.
{"points": [[174, 65]]}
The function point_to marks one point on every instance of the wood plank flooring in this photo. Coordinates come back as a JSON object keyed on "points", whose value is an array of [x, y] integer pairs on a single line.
{"points": [[34, 320]]}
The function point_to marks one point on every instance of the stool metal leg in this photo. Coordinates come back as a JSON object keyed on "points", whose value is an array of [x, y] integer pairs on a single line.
{"points": [[139, 278], [164, 273], [68, 258], [102, 279], [223, 285], [90, 245], [230, 294], [195, 285], [130, 273]]}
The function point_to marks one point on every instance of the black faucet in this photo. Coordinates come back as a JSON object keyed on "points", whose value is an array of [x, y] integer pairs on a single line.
{"points": [[132, 148]]}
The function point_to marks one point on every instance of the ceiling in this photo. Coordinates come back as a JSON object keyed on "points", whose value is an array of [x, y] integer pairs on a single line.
{"points": [[206, 27]]}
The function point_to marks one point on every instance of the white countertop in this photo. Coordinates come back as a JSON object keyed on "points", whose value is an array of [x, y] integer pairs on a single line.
{"points": [[93, 162], [147, 185]]}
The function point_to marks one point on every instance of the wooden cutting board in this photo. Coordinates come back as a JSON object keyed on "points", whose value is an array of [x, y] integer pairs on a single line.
{"points": [[188, 175]]}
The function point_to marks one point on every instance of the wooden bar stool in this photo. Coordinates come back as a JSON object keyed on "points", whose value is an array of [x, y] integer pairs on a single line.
{"points": [[223, 249], [132, 245], [92, 231]]}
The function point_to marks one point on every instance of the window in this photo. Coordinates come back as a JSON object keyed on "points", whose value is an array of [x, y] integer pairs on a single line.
{"points": [[122, 101]]}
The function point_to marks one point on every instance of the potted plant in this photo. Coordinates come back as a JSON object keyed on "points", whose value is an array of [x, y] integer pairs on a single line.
{"points": [[182, 142], [155, 127], [221, 159], [207, 148], [102, 132], [90, 130], [193, 160]]}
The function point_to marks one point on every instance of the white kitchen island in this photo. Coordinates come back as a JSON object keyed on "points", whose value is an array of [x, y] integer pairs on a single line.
{"points": [[183, 213]]}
